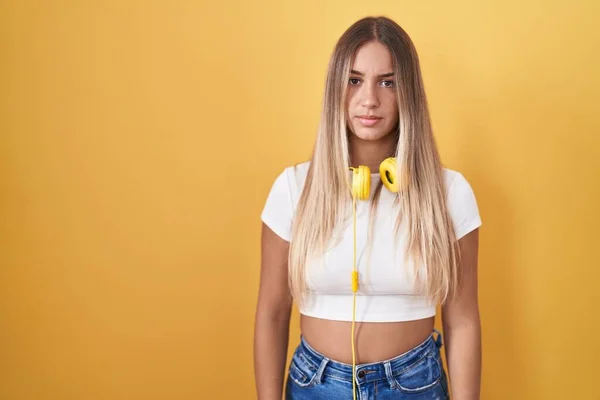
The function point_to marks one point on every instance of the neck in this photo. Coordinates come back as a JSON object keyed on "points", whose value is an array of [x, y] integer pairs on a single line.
{"points": [[371, 152]]}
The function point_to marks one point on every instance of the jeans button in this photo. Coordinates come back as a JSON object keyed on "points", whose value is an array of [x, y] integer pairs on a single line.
{"points": [[361, 374]]}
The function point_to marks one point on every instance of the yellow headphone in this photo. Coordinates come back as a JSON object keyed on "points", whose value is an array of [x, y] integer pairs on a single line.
{"points": [[361, 189], [361, 178]]}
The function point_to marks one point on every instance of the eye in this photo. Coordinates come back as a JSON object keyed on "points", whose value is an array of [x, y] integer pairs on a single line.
{"points": [[354, 81], [387, 84]]}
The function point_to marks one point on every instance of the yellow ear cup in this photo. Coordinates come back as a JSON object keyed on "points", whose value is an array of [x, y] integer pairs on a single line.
{"points": [[387, 170], [361, 182]]}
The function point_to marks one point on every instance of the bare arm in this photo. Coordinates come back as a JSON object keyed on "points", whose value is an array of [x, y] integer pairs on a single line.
{"points": [[271, 329], [462, 327]]}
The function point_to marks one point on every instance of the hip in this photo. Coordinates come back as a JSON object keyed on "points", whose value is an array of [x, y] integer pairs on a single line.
{"points": [[417, 374]]}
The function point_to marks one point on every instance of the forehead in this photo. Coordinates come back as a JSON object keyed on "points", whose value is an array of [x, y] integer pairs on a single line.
{"points": [[373, 58]]}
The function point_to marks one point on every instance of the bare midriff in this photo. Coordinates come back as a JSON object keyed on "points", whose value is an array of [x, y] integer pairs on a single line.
{"points": [[374, 341]]}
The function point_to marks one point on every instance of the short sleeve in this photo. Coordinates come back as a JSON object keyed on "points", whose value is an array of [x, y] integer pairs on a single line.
{"points": [[462, 206], [278, 208]]}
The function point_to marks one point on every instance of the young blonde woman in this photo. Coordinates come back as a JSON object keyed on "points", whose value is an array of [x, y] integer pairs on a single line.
{"points": [[367, 237]]}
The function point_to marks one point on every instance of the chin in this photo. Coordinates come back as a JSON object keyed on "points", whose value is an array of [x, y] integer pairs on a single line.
{"points": [[369, 134]]}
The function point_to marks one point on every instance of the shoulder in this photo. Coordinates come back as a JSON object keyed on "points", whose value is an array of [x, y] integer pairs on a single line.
{"points": [[455, 181], [451, 174], [282, 199], [461, 202], [294, 176], [297, 171]]}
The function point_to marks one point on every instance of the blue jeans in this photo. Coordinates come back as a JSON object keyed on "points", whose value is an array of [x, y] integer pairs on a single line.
{"points": [[417, 374]]}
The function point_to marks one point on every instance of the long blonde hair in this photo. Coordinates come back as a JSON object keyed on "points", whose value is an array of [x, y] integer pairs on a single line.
{"points": [[323, 204]]}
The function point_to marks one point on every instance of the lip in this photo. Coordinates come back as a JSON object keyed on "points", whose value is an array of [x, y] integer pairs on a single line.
{"points": [[368, 120]]}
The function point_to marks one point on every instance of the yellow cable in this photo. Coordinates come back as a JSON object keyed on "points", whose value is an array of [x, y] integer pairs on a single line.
{"points": [[354, 289]]}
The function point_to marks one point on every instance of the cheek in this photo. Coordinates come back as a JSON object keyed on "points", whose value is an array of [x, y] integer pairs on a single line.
{"points": [[391, 101], [392, 106], [350, 99], [394, 111], [350, 104]]}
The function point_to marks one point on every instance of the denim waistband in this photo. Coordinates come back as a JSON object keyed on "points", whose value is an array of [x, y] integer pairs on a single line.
{"points": [[369, 372]]}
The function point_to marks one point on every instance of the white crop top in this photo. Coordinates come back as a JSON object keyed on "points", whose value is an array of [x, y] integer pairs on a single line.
{"points": [[386, 284]]}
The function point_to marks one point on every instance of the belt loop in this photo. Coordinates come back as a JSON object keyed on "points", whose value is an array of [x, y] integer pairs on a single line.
{"points": [[439, 341], [389, 375], [322, 366]]}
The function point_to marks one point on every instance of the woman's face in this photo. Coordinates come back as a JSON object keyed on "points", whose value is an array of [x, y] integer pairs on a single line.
{"points": [[371, 104]]}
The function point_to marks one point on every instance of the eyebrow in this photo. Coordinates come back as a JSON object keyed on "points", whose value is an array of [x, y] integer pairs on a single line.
{"points": [[355, 72]]}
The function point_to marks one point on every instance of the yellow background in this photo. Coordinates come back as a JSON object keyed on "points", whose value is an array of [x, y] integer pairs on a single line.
{"points": [[139, 140]]}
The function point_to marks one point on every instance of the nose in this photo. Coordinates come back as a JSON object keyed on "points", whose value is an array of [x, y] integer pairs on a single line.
{"points": [[369, 97]]}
